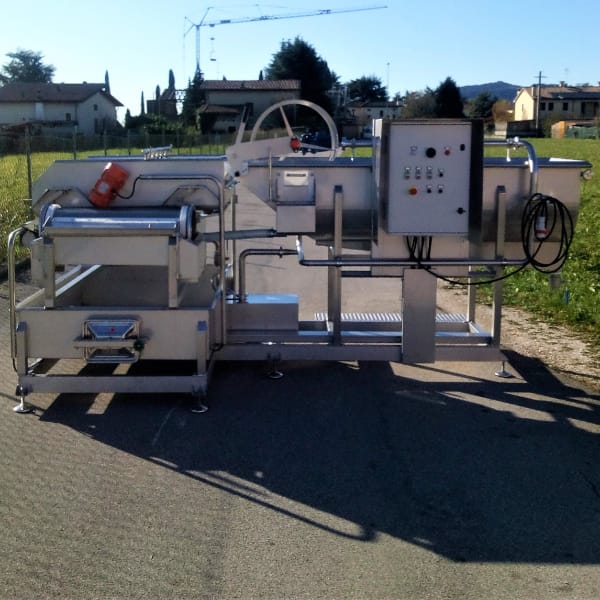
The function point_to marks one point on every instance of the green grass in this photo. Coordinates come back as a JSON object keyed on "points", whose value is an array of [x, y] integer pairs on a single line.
{"points": [[15, 208], [574, 303]]}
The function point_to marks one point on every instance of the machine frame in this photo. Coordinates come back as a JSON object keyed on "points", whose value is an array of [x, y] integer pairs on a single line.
{"points": [[151, 278]]}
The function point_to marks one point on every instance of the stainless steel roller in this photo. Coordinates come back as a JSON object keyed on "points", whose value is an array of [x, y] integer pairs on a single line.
{"points": [[57, 221]]}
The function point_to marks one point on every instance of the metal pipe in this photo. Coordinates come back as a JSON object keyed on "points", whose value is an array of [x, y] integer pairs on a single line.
{"points": [[281, 252], [12, 293], [334, 279], [56, 221], [222, 265], [217, 181], [242, 234], [531, 157], [234, 200], [351, 261]]}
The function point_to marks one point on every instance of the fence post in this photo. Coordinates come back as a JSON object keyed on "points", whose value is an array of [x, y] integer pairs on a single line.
{"points": [[105, 142], [74, 142], [28, 158]]}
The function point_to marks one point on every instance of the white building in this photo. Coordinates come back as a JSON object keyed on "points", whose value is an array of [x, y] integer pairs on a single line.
{"points": [[59, 106]]}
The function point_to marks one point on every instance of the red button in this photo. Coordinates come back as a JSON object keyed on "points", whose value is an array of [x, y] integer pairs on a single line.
{"points": [[413, 191]]}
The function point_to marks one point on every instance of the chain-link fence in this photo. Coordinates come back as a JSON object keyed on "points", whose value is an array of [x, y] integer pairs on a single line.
{"points": [[24, 157]]}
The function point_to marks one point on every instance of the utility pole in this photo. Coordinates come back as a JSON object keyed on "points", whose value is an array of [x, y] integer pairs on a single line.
{"points": [[537, 102]]}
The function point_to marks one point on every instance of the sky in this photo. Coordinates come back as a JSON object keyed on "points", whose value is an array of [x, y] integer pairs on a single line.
{"points": [[409, 46]]}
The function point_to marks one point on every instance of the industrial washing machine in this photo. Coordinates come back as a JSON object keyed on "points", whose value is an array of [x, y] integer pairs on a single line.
{"points": [[136, 258]]}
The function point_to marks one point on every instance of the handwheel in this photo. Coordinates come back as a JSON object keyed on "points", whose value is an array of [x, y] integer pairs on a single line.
{"points": [[296, 144]]}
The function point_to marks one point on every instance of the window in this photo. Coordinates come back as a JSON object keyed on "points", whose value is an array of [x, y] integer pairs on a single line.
{"points": [[542, 106], [565, 106], [67, 116], [96, 107], [550, 105]]}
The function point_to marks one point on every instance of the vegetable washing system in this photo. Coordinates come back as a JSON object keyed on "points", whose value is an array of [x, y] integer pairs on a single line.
{"points": [[136, 259]]}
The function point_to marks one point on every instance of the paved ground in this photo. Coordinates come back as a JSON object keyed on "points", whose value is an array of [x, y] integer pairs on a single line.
{"points": [[341, 480]]}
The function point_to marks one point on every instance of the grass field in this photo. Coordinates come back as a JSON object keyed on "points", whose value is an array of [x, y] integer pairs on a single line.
{"points": [[574, 302]]}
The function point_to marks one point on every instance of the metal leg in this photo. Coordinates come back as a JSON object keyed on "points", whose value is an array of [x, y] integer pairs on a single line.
{"points": [[418, 316], [23, 407], [199, 405], [503, 372], [172, 284], [334, 274], [272, 371], [471, 302], [49, 274], [498, 286]]}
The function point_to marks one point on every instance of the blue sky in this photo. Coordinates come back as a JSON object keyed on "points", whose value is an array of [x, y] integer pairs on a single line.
{"points": [[408, 45]]}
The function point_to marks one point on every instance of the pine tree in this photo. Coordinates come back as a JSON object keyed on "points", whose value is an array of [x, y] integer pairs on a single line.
{"points": [[448, 101], [299, 60]]}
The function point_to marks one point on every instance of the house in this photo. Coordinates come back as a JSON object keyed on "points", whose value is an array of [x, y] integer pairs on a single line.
{"points": [[165, 105], [59, 106], [226, 101], [358, 116], [557, 102]]}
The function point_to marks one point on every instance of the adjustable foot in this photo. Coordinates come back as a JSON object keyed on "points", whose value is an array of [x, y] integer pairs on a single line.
{"points": [[503, 372], [272, 371], [23, 407], [199, 404]]}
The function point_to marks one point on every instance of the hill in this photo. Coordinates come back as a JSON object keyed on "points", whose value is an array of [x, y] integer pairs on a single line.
{"points": [[500, 89]]}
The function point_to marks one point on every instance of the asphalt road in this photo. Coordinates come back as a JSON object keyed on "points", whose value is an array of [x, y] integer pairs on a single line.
{"points": [[337, 481]]}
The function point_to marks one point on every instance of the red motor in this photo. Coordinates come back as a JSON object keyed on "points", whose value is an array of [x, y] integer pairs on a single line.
{"points": [[113, 178]]}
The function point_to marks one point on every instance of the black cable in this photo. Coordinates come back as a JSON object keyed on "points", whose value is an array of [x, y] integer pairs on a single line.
{"points": [[542, 216], [132, 190]]}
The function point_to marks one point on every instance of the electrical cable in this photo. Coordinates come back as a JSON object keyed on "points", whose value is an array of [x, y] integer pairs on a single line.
{"points": [[543, 215], [132, 190], [175, 177]]}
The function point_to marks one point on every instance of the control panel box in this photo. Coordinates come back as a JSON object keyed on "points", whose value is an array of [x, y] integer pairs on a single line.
{"points": [[429, 176]]}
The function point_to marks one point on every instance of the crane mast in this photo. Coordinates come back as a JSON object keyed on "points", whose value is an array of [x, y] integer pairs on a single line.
{"points": [[309, 13]]}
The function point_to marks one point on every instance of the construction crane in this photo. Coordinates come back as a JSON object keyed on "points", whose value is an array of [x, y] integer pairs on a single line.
{"points": [[310, 13]]}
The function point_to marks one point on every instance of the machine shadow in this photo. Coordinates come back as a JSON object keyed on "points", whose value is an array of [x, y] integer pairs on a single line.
{"points": [[472, 469]]}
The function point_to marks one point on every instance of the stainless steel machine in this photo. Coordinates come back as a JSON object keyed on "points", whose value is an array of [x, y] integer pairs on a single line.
{"points": [[137, 259]]}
